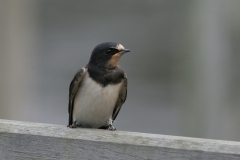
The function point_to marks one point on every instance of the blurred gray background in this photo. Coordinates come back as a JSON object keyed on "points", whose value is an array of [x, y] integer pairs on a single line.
{"points": [[183, 71]]}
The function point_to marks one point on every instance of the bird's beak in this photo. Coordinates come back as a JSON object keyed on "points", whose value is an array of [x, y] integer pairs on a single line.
{"points": [[125, 50]]}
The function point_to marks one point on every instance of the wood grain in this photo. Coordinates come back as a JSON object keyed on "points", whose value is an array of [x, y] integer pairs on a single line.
{"points": [[24, 140]]}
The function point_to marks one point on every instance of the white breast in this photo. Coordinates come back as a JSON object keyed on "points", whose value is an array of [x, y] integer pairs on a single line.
{"points": [[94, 104]]}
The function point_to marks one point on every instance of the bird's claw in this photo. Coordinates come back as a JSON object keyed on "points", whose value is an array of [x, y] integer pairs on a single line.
{"points": [[112, 128], [74, 125]]}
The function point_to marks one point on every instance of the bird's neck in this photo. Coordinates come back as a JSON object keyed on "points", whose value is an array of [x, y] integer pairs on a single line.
{"points": [[105, 76]]}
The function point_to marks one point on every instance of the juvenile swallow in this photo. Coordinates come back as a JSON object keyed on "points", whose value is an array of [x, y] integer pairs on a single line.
{"points": [[98, 90]]}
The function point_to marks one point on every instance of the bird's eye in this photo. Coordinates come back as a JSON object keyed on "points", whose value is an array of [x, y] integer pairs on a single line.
{"points": [[108, 51]]}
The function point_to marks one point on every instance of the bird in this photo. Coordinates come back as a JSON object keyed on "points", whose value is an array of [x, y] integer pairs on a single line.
{"points": [[98, 90]]}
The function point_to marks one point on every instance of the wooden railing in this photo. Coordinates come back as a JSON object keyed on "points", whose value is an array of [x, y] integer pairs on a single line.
{"points": [[25, 140]]}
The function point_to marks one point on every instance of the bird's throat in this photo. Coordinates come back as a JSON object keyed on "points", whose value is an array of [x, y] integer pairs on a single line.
{"points": [[113, 62]]}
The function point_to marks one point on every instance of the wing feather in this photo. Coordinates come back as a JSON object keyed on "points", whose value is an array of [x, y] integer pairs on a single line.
{"points": [[73, 88], [121, 99]]}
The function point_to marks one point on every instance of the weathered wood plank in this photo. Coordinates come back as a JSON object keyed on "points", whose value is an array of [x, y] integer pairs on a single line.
{"points": [[24, 140]]}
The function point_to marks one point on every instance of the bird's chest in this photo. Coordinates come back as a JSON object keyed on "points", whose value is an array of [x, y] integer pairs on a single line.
{"points": [[94, 103], [94, 91]]}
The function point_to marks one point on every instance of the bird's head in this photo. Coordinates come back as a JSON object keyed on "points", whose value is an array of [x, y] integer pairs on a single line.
{"points": [[107, 54]]}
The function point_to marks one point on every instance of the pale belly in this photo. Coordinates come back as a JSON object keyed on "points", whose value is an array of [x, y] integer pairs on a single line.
{"points": [[94, 104]]}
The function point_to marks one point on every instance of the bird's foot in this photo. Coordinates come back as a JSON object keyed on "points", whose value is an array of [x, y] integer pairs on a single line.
{"points": [[110, 126], [74, 125]]}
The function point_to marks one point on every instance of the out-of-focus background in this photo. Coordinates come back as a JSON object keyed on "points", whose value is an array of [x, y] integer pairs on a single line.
{"points": [[183, 71]]}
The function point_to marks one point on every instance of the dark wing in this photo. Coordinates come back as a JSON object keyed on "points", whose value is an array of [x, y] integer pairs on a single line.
{"points": [[74, 85], [121, 99]]}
